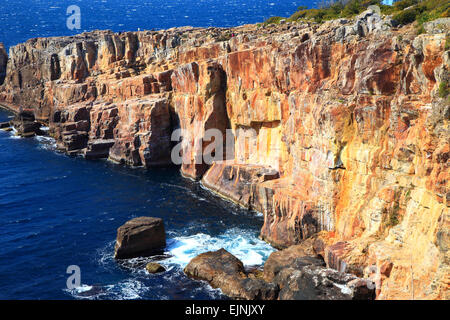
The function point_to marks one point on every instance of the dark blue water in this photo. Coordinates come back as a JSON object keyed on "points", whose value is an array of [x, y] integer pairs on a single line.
{"points": [[57, 211], [24, 19]]}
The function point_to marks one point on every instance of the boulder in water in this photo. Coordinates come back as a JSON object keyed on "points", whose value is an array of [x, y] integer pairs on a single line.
{"points": [[140, 237], [153, 267]]}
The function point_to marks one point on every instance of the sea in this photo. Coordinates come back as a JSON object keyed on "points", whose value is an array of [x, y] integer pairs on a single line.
{"points": [[57, 212], [21, 20]]}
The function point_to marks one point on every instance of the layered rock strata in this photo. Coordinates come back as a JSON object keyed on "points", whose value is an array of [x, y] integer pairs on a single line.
{"points": [[24, 124], [339, 129]]}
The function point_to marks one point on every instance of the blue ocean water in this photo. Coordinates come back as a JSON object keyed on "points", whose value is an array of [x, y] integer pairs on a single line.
{"points": [[57, 211], [21, 20]]}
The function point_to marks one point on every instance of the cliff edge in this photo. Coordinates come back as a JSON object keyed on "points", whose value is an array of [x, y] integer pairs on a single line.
{"points": [[351, 119]]}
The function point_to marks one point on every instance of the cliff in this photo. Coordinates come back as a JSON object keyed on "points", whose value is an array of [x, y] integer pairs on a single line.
{"points": [[348, 130]]}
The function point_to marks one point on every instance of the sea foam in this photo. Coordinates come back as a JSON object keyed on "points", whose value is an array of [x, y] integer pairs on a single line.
{"points": [[243, 244]]}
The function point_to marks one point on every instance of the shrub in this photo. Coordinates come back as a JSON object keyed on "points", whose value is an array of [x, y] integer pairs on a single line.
{"points": [[272, 20], [223, 37], [406, 16], [352, 8], [394, 217], [385, 9], [420, 29], [416, 10], [443, 89], [400, 5]]}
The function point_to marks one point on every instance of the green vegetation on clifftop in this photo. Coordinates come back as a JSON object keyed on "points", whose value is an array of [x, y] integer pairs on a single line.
{"points": [[403, 12]]}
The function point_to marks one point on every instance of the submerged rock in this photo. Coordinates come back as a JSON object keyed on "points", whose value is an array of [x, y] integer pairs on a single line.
{"points": [[140, 237], [153, 267]]}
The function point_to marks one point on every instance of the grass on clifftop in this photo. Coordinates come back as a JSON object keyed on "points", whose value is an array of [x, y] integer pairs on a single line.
{"points": [[403, 11]]}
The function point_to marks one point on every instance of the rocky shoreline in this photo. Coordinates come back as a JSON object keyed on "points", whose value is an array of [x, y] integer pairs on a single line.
{"points": [[291, 274], [24, 124], [351, 151]]}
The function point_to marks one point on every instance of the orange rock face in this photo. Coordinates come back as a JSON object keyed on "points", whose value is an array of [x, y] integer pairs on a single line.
{"points": [[345, 136]]}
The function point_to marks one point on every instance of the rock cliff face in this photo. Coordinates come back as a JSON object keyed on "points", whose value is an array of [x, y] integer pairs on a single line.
{"points": [[340, 131], [3, 62]]}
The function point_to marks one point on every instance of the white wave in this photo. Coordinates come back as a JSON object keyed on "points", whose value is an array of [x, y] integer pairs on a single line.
{"points": [[344, 289], [46, 143], [83, 288], [106, 254], [191, 193], [45, 139], [194, 195], [259, 214], [129, 289], [13, 134], [174, 186], [243, 244], [84, 292]]}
